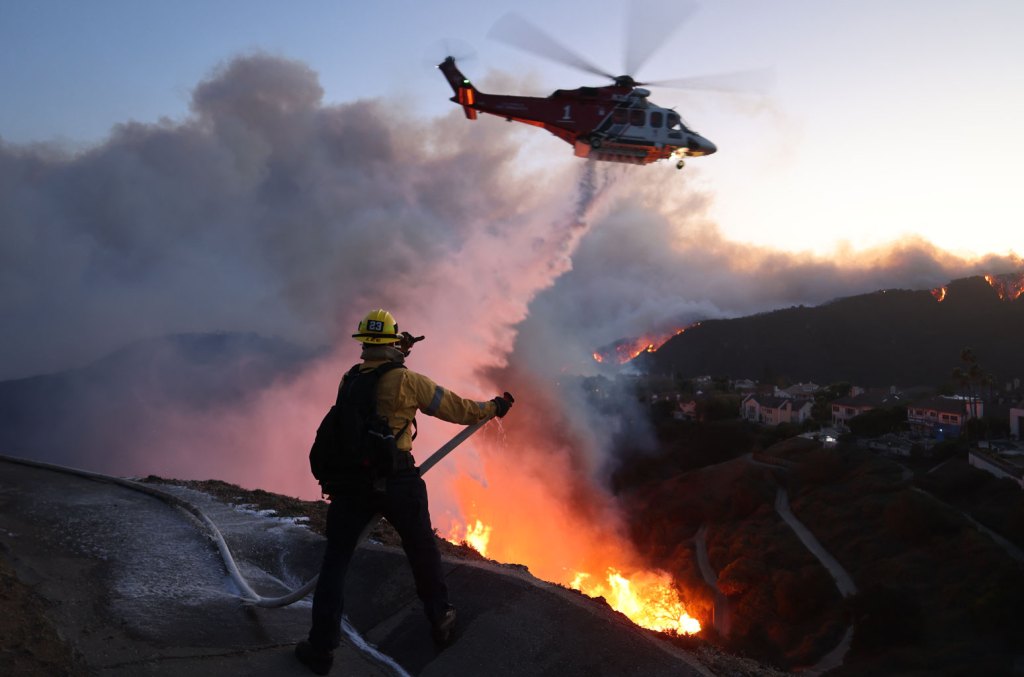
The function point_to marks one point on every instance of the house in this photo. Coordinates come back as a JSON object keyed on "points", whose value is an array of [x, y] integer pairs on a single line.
{"points": [[799, 391], [1017, 421], [943, 417], [771, 410], [744, 385], [846, 408]]}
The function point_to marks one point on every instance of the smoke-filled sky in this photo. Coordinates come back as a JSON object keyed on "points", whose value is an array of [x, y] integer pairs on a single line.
{"points": [[146, 180]]}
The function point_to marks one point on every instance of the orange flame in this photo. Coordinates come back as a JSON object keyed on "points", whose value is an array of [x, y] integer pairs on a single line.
{"points": [[629, 349], [543, 538], [1009, 287], [649, 600], [939, 293], [476, 536]]}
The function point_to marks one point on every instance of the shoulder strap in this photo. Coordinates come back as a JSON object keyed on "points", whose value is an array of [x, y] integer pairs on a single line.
{"points": [[350, 374], [373, 374]]}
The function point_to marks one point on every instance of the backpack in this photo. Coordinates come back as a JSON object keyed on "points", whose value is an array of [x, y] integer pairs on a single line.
{"points": [[353, 441]]}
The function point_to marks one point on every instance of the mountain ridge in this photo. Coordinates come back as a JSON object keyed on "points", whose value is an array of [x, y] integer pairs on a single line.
{"points": [[882, 338]]}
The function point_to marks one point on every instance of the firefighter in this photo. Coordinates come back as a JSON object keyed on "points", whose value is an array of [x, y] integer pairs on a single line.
{"points": [[401, 497]]}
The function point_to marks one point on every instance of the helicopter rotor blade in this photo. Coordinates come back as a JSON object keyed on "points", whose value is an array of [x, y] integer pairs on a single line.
{"points": [[649, 24], [758, 81], [517, 32]]}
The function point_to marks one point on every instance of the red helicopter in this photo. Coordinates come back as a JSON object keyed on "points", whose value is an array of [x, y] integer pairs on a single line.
{"points": [[616, 123]]}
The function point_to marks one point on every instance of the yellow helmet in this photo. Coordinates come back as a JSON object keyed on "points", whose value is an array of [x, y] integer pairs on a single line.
{"points": [[378, 326]]}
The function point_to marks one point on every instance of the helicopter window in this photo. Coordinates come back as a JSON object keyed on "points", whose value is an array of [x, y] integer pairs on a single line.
{"points": [[619, 116], [674, 121], [637, 118], [656, 119]]}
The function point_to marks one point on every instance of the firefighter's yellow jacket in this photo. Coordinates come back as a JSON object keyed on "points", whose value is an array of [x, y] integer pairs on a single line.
{"points": [[403, 392]]}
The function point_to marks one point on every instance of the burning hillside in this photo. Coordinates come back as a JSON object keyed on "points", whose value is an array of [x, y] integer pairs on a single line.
{"points": [[1008, 286], [625, 350]]}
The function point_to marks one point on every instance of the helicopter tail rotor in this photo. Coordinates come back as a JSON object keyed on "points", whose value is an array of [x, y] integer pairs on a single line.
{"points": [[438, 50]]}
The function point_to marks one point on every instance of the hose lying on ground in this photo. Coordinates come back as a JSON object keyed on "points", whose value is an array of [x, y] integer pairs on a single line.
{"points": [[247, 593]]}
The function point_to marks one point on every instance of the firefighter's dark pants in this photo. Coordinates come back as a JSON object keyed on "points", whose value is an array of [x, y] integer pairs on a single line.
{"points": [[404, 504]]}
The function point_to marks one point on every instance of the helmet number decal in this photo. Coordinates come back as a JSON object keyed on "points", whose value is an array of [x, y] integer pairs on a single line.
{"points": [[375, 325]]}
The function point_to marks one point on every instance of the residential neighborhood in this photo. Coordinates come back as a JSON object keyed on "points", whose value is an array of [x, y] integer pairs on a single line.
{"points": [[926, 418], [773, 410]]}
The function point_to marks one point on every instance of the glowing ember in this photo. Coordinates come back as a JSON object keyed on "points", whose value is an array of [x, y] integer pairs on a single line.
{"points": [[939, 293], [475, 535], [1009, 287], [649, 600]]}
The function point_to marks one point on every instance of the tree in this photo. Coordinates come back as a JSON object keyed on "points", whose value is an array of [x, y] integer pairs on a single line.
{"points": [[880, 421], [824, 398], [972, 379]]}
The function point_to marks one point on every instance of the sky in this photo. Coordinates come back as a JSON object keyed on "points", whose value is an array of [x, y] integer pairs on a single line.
{"points": [[886, 119]]}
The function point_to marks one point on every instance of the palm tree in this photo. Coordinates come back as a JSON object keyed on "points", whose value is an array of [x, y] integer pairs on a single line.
{"points": [[971, 378]]}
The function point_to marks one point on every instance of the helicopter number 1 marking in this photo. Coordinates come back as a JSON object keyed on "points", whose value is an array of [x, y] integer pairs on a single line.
{"points": [[567, 115]]}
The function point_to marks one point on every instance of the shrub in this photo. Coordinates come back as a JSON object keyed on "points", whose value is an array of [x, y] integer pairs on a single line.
{"points": [[914, 518], [886, 617], [877, 422]]}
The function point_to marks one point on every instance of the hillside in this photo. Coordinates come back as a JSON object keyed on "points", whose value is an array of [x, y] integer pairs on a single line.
{"points": [[100, 416], [934, 594], [887, 337]]}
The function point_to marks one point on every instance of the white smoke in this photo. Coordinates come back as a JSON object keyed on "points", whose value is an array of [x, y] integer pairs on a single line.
{"points": [[266, 210]]}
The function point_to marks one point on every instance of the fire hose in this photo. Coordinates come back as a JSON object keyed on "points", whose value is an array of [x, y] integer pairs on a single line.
{"points": [[248, 595]]}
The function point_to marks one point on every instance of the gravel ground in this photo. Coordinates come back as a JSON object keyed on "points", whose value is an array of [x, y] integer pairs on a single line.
{"points": [[30, 644]]}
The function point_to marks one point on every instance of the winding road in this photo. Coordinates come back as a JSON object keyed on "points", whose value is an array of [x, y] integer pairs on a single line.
{"points": [[844, 582]]}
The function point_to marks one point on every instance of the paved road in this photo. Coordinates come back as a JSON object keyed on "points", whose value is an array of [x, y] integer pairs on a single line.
{"points": [[138, 589], [1007, 545], [723, 620], [844, 582]]}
